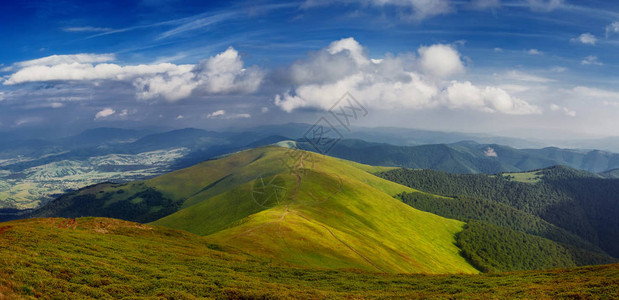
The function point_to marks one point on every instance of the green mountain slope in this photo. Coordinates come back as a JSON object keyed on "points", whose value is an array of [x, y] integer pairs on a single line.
{"points": [[331, 214], [97, 258]]}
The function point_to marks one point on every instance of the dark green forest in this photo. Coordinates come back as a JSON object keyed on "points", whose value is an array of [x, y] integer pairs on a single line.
{"points": [[573, 201]]}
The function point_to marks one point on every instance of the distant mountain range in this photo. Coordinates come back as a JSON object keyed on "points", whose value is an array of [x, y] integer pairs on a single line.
{"points": [[120, 155], [469, 157]]}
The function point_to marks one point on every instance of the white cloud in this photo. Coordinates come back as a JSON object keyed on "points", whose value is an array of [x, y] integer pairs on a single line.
{"points": [[179, 117], [104, 113], [218, 113], [222, 114], [123, 113], [591, 60], [565, 110], [404, 81], [82, 58], [497, 49], [83, 72], [544, 5], [535, 52], [264, 109], [441, 61], [222, 74], [489, 99], [585, 38], [612, 28]]}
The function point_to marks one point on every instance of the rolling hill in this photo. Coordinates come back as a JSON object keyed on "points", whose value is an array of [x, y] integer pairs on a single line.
{"points": [[88, 258], [315, 211]]}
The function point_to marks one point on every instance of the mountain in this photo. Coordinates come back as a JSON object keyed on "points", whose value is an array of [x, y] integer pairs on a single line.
{"points": [[107, 258], [614, 173], [468, 157], [314, 211], [579, 202], [395, 136], [299, 207], [104, 154]]}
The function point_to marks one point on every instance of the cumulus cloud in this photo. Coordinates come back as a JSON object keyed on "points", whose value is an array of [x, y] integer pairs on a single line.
{"points": [[591, 60], [106, 112], [441, 61], [222, 74], [565, 110], [585, 38], [544, 5], [403, 81], [489, 99]]}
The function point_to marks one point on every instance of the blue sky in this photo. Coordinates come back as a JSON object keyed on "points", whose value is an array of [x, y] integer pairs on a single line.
{"points": [[520, 67]]}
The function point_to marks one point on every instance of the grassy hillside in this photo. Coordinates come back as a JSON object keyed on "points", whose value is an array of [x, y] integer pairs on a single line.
{"points": [[332, 214], [89, 258]]}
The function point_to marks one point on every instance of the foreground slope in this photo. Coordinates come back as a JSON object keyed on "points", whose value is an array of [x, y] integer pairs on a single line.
{"points": [[109, 259], [324, 213]]}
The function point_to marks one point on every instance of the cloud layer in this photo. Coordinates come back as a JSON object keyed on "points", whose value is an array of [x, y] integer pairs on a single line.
{"points": [[411, 81], [224, 73]]}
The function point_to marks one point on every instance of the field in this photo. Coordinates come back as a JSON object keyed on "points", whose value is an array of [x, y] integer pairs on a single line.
{"points": [[36, 185], [107, 258]]}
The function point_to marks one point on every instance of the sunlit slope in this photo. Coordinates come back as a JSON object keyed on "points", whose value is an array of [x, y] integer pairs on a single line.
{"points": [[330, 214], [99, 258]]}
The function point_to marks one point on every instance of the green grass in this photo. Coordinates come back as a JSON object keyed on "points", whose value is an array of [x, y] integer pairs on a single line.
{"points": [[334, 215], [525, 177], [111, 259]]}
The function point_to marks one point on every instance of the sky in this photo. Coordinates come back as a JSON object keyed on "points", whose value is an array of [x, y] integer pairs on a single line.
{"points": [[528, 68]]}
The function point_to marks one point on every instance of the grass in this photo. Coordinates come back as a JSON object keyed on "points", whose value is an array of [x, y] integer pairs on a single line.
{"points": [[335, 214], [525, 177], [102, 258]]}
